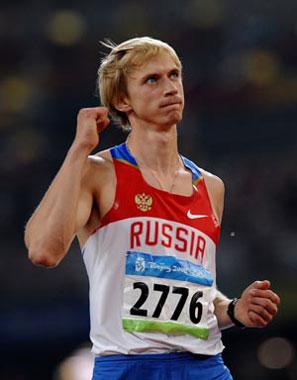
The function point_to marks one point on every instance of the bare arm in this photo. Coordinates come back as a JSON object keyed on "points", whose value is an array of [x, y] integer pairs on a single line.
{"points": [[66, 206], [258, 303]]}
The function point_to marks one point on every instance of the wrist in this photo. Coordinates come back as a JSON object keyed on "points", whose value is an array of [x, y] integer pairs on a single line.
{"points": [[231, 313], [80, 149]]}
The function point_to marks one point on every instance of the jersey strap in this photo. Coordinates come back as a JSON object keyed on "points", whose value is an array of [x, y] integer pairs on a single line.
{"points": [[121, 153], [196, 173]]}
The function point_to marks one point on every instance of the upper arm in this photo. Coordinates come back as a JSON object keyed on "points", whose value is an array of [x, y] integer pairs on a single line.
{"points": [[97, 184], [216, 191], [85, 203]]}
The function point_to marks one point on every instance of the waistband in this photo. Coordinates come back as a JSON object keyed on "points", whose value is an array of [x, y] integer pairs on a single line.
{"points": [[164, 356]]}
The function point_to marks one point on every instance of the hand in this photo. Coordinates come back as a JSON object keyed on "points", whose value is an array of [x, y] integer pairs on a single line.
{"points": [[257, 305], [90, 122]]}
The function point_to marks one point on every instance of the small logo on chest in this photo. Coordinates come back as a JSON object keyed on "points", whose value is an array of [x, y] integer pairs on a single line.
{"points": [[143, 202], [195, 216]]}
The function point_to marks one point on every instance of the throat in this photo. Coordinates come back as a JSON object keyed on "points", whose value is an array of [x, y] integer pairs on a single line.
{"points": [[160, 165], [161, 181], [154, 150]]}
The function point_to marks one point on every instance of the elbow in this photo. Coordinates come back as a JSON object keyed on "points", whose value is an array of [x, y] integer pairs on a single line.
{"points": [[42, 253], [44, 258]]}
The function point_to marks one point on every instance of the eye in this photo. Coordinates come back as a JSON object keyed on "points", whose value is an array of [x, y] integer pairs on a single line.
{"points": [[174, 74], [151, 79]]}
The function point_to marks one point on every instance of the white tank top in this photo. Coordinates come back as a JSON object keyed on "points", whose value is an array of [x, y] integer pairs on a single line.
{"points": [[151, 268]]}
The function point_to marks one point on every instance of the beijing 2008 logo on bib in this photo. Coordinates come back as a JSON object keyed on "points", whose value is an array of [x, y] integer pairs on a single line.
{"points": [[143, 202], [140, 264]]}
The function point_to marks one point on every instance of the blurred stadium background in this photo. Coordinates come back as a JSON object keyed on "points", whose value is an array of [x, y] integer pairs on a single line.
{"points": [[240, 78]]}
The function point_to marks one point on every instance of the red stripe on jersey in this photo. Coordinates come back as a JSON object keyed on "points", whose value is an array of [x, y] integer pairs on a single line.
{"points": [[135, 198]]}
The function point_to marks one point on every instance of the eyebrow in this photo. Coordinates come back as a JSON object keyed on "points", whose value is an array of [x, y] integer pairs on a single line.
{"points": [[157, 73]]}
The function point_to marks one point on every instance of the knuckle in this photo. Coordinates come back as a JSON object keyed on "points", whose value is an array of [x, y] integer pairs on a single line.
{"points": [[267, 303], [272, 296], [81, 114], [85, 112], [82, 111], [104, 110]]}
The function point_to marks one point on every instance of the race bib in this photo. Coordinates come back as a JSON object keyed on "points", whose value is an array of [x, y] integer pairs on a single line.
{"points": [[165, 294]]}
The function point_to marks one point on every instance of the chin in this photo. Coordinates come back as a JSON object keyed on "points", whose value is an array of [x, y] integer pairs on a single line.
{"points": [[174, 118], [169, 120]]}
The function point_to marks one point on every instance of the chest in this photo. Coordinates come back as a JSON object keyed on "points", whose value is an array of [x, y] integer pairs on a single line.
{"points": [[178, 182]]}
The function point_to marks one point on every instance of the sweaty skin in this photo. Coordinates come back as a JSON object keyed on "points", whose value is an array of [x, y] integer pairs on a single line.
{"points": [[84, 188]]}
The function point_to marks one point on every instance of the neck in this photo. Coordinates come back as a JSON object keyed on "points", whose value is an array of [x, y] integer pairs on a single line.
{"points": [[155, 149]]}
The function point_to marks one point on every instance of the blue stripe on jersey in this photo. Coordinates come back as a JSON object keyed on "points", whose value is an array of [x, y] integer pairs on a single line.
{"points": [[121, 152], [196, 173], [144, 264]]}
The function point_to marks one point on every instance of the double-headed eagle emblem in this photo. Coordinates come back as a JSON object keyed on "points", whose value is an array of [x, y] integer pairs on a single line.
{"points": [[143, 201]]}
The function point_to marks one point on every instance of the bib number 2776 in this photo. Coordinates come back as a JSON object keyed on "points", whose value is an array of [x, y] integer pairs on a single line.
{"points": [[195, 307]]}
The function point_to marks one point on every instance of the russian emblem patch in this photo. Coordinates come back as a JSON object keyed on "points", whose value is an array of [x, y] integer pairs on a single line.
{"points": [[143, 202]]}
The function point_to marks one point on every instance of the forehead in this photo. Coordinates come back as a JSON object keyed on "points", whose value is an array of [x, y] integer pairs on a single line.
{"points": [[162, 62]]}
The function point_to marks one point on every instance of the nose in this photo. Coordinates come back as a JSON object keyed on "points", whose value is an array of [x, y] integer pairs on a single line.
{"points": [[170, 87]]}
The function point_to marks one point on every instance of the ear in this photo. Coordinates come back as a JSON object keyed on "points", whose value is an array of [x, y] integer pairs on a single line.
{"points": [[123, 104]]}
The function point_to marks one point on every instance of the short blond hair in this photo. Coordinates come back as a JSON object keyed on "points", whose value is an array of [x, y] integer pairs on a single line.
{"points": [[121, 61]]}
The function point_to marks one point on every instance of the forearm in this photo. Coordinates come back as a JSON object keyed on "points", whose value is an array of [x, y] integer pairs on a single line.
{"points": [[221, 303], [51, 229]]}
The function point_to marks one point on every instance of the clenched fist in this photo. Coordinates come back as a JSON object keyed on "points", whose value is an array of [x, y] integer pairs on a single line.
{"points": [[257, 305], [90, 122]]}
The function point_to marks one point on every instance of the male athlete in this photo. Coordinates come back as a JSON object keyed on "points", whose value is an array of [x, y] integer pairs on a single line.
{"points": [[148, 223]]}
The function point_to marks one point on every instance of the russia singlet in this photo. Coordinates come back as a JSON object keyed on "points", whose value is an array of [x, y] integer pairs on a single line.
{"points": [[151, 268]]}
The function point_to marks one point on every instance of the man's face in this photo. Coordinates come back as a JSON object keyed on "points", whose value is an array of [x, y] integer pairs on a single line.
{"points": [[155, 92]]}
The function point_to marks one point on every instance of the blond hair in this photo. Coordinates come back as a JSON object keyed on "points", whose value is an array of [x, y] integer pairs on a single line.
{"points": [[121, 61]]}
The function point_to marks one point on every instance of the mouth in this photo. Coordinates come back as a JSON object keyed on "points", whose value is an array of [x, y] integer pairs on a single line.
{"points": [[171, 102]]}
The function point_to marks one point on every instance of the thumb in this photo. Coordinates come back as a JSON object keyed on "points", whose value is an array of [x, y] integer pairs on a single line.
{"points": [[265, 284]]}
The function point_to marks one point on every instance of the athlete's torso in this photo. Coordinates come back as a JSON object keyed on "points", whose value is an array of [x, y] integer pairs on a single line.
{"points": [[151, 267]]}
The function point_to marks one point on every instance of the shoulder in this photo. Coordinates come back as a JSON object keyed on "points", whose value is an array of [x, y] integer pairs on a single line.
{"points": [[100, 161], [213, 182], [102, 158], [216, 191], [99, 169]]}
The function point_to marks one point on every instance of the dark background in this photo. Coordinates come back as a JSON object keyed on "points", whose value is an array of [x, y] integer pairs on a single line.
{"points": [[240, 79]]}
